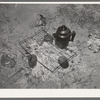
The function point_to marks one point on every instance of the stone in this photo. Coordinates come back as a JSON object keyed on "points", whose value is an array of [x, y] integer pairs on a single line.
{"points": [[7, 61]]}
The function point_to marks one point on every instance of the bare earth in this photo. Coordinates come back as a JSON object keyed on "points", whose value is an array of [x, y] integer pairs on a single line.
{"points": [[17, 22]]}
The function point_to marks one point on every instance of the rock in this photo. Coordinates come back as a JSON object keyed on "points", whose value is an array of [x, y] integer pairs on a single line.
{"points": [[94, 43], [41, 20], [32, 60], [7, 61], [62, 60], [94, 47], [48, 38]]}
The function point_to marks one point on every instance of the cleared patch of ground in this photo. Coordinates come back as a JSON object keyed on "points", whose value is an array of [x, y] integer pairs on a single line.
{"points": [[17, 22]]}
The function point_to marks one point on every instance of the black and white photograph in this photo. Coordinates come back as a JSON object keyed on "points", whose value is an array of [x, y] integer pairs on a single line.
{"points": [[49, 46]]}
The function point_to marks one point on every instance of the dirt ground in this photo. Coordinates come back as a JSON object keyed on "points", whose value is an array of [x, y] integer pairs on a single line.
{"points": [[17, 23]]}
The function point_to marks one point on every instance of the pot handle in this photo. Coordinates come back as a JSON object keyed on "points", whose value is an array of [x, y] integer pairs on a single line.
{"points": [[73, 34]]}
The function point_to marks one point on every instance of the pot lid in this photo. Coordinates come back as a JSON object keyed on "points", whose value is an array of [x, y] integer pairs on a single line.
{"points": [[63, 30]]}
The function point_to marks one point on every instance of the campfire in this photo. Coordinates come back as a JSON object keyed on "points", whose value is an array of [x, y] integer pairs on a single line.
{"points": [[47, 52]]}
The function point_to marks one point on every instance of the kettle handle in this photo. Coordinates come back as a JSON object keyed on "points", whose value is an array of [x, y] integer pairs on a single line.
{"points": [[73, 34]]}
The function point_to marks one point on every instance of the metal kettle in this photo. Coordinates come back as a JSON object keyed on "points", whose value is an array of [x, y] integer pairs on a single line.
{"points": [[62, 36]]}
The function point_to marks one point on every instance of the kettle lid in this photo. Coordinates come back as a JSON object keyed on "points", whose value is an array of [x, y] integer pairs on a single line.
{"points": [[63, 30]]}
